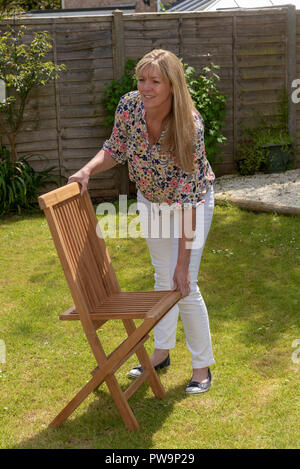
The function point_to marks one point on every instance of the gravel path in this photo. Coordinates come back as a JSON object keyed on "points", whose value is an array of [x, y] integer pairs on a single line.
{"points": [[277, 189]]}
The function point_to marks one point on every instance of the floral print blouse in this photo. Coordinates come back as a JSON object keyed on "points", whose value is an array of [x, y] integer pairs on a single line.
{"points": [[152, 169]]}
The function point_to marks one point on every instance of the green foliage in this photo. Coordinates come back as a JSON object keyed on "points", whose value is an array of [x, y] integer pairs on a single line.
{"points": [[252, 152], [15, 7], [40, 4], [203, 88], [116, 89], [19, 183], [211, 104], [251, 155], [22, 67]]}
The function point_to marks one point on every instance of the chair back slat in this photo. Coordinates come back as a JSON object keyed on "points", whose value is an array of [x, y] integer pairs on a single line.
{"points": [[83, 254]]}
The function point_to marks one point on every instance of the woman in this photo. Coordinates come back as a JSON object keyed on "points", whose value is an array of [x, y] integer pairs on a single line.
{"points": [[159, 132]]}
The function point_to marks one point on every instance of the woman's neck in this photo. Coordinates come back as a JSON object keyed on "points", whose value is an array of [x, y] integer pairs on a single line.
{"points": [[158, 118]]}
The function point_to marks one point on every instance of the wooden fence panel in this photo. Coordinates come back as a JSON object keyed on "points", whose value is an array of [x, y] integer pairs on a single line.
{"points": [[297, 105], [86, 49], [259, 38], [256, 50]]}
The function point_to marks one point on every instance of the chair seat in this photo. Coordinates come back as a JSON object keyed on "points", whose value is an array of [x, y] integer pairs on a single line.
{"points": [[125, 305]]}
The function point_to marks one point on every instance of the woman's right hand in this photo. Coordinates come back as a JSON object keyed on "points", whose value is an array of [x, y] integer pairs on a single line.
{"points": [[82, 176]]}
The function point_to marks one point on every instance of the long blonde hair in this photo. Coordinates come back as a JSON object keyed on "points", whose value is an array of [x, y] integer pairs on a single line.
{"points": [[181, 130]]}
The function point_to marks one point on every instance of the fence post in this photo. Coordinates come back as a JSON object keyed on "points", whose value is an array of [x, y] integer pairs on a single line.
{"points": [[57, 109], [291, 67], [234, 87], [118, 51]]}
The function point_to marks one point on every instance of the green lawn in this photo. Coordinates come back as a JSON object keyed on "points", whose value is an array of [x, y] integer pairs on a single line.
{"points": [[249, 277]]}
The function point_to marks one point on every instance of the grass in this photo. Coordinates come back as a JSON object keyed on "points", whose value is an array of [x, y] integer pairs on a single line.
{"points": [[249, 277]]}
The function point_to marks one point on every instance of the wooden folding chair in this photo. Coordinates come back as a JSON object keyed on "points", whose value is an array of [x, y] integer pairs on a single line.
{"points": [[98, 297]]}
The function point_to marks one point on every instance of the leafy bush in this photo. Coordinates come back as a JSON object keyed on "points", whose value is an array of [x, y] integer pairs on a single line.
{"points": [[252, 151], [251, 155], [14, 7], [203, 88], [40, 4], [117, 88], [22, 68], [211, 104], [20, 183]]}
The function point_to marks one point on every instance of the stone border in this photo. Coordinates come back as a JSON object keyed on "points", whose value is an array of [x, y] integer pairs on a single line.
{"points": [[257, 206]]}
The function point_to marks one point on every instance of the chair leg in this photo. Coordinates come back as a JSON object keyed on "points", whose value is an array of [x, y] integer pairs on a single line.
{"points": [[153, 378], [145, 361], [75, 402], [121, 403], [104, 373], [116, 393]]}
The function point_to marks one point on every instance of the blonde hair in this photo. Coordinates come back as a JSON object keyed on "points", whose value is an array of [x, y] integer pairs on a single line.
{"points": [[181, 131]]}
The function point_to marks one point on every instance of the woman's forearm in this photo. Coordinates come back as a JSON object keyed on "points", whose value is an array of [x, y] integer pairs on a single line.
{"points": [[184, 253], [188, 226], [181, 278], [102, 161]]}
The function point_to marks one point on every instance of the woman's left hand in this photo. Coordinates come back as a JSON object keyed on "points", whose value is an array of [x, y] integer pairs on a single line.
{"points": [[182, 280]]}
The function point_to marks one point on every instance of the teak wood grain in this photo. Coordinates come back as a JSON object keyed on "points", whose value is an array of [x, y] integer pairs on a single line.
{"points": [[98, 298]]}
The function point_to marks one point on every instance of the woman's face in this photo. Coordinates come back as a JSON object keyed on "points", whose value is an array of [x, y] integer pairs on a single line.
{"points": [[156, 94]]}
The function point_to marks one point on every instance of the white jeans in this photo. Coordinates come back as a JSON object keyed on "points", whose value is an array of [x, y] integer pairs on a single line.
{"points": [[164, 252]]}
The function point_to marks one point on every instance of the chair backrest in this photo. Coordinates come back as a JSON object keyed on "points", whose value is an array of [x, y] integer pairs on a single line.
{"points": [[83, 254]]}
